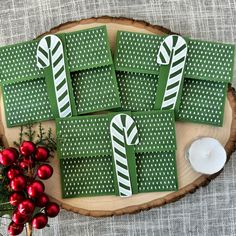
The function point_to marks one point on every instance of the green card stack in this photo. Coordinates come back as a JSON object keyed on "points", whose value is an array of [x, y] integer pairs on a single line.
{"points": [[130, 147]]}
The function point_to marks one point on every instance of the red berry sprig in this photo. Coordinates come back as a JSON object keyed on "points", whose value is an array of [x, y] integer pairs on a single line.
{"points": [[27, 197]]}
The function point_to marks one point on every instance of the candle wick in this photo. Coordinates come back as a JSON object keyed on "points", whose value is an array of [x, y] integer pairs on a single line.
{"points": [[210, 151]]}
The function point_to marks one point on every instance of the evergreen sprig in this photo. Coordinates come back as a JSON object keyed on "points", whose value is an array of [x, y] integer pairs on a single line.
{"points": [[29, 133], [5, 206], [43, 138], [46, 139], [20, 140]]}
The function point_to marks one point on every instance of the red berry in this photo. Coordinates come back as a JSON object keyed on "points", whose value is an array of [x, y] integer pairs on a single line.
{"points": [[39, 221], [15, 229], [18, 183], [8, 156], [15, 151], [16, 198], [52, 209], [45, 171], [27, 162], [35, 188], [19, 218], [26, 207], [27, 148], [41, 154], [42, 200], [12, 173]]}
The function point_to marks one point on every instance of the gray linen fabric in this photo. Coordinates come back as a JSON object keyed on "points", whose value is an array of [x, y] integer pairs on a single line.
{"points": [[209, 211]]}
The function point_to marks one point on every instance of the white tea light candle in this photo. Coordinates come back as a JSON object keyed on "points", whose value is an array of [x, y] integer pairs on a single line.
{"points": [[206, 155]]}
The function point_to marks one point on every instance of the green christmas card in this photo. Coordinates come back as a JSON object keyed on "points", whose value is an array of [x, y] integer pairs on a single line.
{"points": [[172, 72], [117, 153], [59, 75]]}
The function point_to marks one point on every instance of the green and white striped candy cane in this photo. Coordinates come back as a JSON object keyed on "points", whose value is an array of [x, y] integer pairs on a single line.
{"points": [[172, 52], [123, 132], [50, 53]]}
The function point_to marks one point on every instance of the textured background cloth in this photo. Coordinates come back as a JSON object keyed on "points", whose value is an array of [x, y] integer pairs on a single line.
{"points": [[209, 211]]}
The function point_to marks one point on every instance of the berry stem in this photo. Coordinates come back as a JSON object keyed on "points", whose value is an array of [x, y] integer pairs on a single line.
{"points": [[28, 229]]}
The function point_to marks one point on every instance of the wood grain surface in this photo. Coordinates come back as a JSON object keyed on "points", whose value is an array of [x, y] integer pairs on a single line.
{"points": [[189, 180]]}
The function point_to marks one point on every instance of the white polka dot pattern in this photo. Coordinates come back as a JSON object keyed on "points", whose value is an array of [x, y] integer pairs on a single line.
{"points": [[18, 61], [95, 89], [93, 176], [84, 136], [156, 171], [88, 49], [210, 61], [26, 101], [94, 83], [137, 52], [210, 65], [203, 101], [87, 176], [156, 131], [85, 153], [90, 135], [85, 49], [198, 99], [132, 83]]}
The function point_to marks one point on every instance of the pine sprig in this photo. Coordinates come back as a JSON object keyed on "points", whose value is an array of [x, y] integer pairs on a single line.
{"points": [[43, 138], [21, 134], [5, 206], [29, 133], [51, 141], [46, 139], [41, 135]]}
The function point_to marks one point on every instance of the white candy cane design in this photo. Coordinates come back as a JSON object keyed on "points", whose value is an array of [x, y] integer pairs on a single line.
{"points": [[123, 132], [50, 46], [177, 47]]}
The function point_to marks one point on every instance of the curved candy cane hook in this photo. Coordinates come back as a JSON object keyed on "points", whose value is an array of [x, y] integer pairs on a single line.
{"points": [[173, 51], [50, 47], [123, 132]]}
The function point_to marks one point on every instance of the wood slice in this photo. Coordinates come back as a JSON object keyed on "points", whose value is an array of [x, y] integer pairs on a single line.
{"points": [[189, 180]]}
